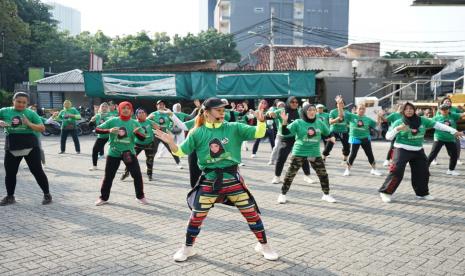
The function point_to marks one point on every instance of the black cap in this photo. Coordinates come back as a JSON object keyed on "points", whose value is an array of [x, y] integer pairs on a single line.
{"points": [[161, 101], [444, 106], [213, 103]]}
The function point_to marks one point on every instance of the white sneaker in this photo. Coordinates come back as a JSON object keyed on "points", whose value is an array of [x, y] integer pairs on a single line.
{"points": [[182, 254], [180, 167], [267, 252], [376, 172], [346, 172], [386, 163], [434, 162], [308, 179], [142, 201], [101, 157], [426, 197], [453, 172], [241, 164], [253, 156], [328, 198], [386, 198], [100, 202], [459, 162], [93, 168], [282, 199], [276, 180], [270, 163]]}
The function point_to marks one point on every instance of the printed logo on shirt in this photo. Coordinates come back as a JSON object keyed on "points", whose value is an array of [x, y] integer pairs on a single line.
{"points": [[16, 121], [311, 132], [161, 121], [414, 131], [216, 148], [447, 123], [360, 123], [122, 133], [225, 141]]}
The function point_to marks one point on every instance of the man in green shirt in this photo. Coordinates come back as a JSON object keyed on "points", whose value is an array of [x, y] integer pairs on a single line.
{"points": [[68, 117]]}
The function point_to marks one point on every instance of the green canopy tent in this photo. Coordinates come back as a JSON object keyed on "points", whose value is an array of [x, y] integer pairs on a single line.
{"points": [[199, 85]]}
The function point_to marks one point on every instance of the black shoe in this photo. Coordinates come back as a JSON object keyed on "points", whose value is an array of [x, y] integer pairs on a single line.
{"points": [[150, 178], [61, 152], [78, 152], [47, 199], [7, 200], [125, 175]]}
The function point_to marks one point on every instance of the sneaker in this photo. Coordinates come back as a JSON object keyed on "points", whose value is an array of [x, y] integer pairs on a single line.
{"points": [[346, 172], [150, 178], [180, 167], [308, 179], [459, 162], [61, 152], [282, 199], [47, 199], [124, 175], [328, 198], [324, 159], [434, 162], [426, 197], [100, 202], [386, 198], [241, 164], [270, 163], [78, 152], [182, 254], [267, 252], [376, 172], [142, 201], [253, 156], [101, 157], [93, 168], [453, 172], [7, 200], [386, 163], [276, 180]]}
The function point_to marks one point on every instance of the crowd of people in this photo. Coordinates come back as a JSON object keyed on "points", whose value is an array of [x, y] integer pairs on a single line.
{"points": [[212, 137]]}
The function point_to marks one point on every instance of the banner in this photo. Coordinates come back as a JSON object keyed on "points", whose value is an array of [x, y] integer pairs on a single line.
{"points": [[133, 85]]}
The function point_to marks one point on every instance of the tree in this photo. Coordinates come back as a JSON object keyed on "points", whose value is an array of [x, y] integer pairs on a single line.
{"points": [[411, 54], [131, 51]]}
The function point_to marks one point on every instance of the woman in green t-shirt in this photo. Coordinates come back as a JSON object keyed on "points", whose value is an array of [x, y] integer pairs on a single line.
{"points": [[122, 131], [308, 132], [218, 146], [98, 149], [409, 132], [453, 109], [443, 138], [21, 126], [68, 117], [359, 135]]}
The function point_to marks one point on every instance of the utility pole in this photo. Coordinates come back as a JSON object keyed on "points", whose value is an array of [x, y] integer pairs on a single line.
{"points": [[271, 40], [2, 57]]}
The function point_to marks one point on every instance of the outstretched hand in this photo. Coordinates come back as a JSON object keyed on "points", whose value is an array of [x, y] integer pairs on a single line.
{"points": [[284, 116], [165, 137]]}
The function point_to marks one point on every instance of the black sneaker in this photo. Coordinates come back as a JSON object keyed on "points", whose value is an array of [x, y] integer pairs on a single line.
{"points": [[7, 200], [47, 199], [61, 152], [125, 175], [150, 178], [78, 152]]}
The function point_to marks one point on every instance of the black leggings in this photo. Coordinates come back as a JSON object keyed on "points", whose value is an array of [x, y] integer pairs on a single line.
{"points": [[366, 146], [11, 164], [344, 138], [194, 170], [112, 166], [270, 134], [283, 153], [451, 150], [64, 136], [419, 170], [99, 145], [391, 149], [156, 142]]}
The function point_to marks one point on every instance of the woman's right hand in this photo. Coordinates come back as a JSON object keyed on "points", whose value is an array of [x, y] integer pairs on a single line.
{"points": [[114, 130], [401, 127], [284, 116], [3, 124]]}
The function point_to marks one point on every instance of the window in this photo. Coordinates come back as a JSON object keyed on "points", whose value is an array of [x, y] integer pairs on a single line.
{"points": [[258, 10]]}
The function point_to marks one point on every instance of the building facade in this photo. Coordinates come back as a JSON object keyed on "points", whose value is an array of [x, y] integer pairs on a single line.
{"points": [[297, 22], [69, 19]]}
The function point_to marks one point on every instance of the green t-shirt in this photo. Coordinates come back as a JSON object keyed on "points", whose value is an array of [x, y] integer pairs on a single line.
{"points": [[181, 116], [14, 117], [411, 137], [113, 113], [101, 118], [359, 126], [66, 119], [324, 117], [307, 137], [162, 119], [280, 121], [218, 147], [125, 139], [449, 120], [394, 116], [341, 126], [453, 109], [148, 131], [190, 124]]}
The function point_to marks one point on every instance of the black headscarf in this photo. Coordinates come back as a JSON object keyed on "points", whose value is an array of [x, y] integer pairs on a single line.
{"points": [[292, 113], [414, 121], [303, 114]]}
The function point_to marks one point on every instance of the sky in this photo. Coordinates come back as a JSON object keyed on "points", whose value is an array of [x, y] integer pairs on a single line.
{"points": [[397, 24]]}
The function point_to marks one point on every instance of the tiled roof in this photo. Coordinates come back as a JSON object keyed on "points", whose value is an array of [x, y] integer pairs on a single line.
{"points": [[285, 56], [70, 77]]}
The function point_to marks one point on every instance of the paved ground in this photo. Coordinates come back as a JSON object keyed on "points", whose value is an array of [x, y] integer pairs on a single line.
{"points": [[359, 235]]}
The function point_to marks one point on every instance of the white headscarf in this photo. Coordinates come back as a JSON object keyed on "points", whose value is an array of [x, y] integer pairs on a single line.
{"points": [[177, 108]]}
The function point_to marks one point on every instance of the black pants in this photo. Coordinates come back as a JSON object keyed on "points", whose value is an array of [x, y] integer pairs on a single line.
{"points": [[366, 146], [157, 141], [149, 156], [97, 150], [64, 136], [270, 134], [112, 166], [344, 138], [11, 164], [419, 168], [194, 170], [391, 149], [451, 150], [283, 153], [458, 149]]}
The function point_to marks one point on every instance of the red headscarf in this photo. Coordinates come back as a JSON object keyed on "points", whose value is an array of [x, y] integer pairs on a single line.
{"points": [[120, 108]]}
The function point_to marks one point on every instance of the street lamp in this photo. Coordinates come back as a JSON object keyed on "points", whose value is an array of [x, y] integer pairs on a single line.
{"points": [[354, 79], [270, 40]]}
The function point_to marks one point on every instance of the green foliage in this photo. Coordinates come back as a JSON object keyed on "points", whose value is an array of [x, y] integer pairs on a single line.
{"points": [[411, 54], [5, 98]]}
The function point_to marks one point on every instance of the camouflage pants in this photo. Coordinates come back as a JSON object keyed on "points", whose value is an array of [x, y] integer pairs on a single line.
{"points": [[296, 163]]}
